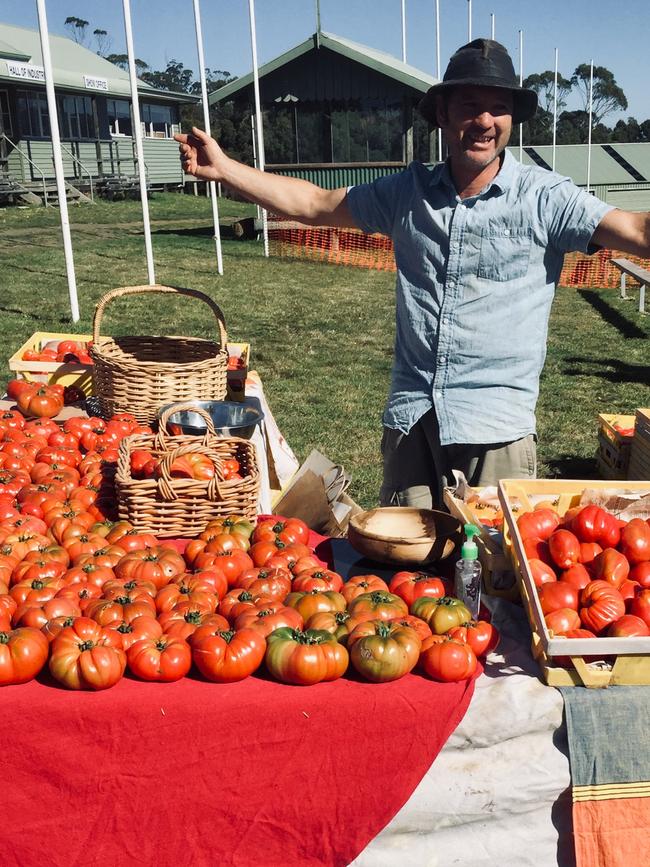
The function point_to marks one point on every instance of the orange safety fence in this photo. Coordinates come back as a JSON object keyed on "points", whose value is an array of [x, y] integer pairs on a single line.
{"points": [[335, 246]]}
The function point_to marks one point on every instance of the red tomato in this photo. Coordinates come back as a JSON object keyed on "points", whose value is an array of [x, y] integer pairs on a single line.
{"points": [[576, 575], [44, 402], [589, 524], [163, 659], [23, 653], [558, 594], [481, 636], [360, 584], [409, 586], [539, 524], [562, 620], [588, 551], [87, 656], [626, 625], [227, 656], [635, 541], [600, 605], [318, 579], [612, 533], [641, 573], [537, 549], [640, 605], [449, 660], [15, 387], [564, 548], [611, 566], [542, 573]]}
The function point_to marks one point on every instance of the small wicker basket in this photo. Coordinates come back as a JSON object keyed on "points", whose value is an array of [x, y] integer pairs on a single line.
{"points": [[170, 507], [142, 374]]}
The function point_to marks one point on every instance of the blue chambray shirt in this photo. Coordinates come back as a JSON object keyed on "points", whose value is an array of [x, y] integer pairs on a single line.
{"points": [[475, 282]]}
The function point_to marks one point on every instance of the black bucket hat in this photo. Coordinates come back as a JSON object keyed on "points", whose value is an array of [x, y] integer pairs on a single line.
{"points": [[482, 63]]}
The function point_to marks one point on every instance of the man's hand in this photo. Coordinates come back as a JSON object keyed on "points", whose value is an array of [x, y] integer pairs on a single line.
{"points": [[201, 156]]}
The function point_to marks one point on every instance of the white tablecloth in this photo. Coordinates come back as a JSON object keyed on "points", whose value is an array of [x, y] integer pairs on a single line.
{"points": [[499, 791]]}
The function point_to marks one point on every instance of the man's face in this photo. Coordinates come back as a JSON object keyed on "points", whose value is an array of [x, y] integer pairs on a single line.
{"points": [[477, 122]]}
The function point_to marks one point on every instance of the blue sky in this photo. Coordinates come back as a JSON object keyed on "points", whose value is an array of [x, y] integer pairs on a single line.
{"points": [[614, 35]]}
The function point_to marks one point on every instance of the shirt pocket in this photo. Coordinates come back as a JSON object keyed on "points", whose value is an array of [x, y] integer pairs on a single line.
{"points": [[505, 253]]}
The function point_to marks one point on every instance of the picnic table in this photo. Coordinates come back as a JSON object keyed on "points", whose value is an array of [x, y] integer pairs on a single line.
{"points": [[627, 267]]}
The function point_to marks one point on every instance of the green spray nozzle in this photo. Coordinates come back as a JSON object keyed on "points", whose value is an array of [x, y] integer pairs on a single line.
{"points": [[469, 549]]}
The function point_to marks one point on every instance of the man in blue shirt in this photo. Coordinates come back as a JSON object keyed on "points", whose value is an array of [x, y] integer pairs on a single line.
{"points": [[479, 243]]}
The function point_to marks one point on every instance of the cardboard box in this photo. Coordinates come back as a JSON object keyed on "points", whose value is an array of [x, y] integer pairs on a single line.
{"points": [[639, 464], [236, 379], [63, 373], [613, 453], [496, 567], [317, 495]]}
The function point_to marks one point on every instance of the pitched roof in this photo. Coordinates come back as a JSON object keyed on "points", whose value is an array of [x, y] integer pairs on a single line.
{"points": [[70, 63], [379, 61]]}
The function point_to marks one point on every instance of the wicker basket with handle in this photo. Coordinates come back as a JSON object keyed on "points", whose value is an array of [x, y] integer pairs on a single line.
{"points": [[142, 374], [179, 507]]}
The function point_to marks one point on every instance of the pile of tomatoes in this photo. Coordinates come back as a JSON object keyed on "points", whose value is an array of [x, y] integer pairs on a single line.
{"points": [[197, 466], [63, 351], [90, 598], [591, 571]]}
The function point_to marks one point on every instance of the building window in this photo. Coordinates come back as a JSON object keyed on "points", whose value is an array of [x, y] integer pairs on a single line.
{"points": [[119, 116], [5, 115], [33, 117], [159, 121], [76, 117]]}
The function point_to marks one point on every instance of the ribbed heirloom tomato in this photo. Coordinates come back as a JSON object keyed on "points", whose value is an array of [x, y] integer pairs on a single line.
{"points": [[227, 656], [379, 605], [360, 584], [411, 585], [164, 659], [441, 614], [600, 605], [481, 636], [87, 656], [382, 651], [304, 658]]}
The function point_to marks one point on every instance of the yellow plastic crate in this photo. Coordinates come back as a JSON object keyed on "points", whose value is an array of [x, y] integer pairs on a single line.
{"points": [[63, 373]]}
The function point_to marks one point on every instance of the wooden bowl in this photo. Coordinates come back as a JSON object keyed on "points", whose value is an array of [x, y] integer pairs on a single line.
{"points": [[399, 534]]}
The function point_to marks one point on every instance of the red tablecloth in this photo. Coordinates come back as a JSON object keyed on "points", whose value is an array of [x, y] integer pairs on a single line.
{"points": [[193, 773]]}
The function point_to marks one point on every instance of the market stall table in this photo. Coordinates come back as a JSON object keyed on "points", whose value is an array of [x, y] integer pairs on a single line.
{"points": [[191, 772]]}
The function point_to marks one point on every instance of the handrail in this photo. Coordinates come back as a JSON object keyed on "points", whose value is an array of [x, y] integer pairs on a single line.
{"points": [[82, 167], [32, 164]]}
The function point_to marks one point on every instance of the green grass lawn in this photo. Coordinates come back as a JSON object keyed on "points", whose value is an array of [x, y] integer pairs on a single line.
{"points": [[321, 335]]}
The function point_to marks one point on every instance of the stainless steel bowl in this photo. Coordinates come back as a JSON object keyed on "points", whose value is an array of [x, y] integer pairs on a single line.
{"points": [[230, 418]]}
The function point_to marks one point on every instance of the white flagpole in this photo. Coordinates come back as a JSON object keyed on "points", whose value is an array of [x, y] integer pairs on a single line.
{"points": [[554, 111], [438, 71], [58, 161], [492, 25], [469, 20], [521, 81], [206, 124], [258, 116], [137, 133], [403, 31], [591, 101]]}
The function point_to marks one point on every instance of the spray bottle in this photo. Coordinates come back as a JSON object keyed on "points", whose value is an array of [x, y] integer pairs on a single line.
{"points": [[467, 577]]}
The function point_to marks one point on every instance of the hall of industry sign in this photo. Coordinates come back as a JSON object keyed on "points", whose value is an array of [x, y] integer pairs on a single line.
{"points": [[31, 72]]}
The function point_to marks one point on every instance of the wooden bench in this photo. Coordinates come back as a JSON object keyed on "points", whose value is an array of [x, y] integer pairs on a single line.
{"points": [[640, 274]]}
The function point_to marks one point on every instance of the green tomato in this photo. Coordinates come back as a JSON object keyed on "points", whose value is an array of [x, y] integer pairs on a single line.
{"points": [[441, 614], [303, 658], [382, 651]]}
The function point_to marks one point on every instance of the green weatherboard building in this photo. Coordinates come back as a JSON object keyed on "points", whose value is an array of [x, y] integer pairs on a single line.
{"points": [[94, 111]]}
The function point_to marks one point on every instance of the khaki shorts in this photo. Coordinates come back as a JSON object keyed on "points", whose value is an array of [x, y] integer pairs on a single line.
{"points": [[417, 467]]}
